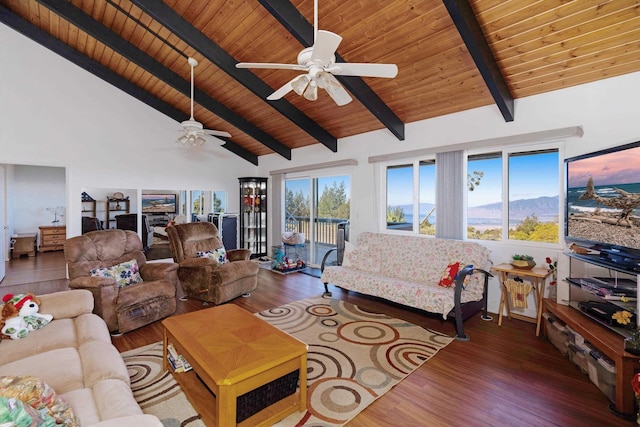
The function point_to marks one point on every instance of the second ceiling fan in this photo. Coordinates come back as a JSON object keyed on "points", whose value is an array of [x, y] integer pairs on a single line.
{"points": [[320, 64], [194, 134]]}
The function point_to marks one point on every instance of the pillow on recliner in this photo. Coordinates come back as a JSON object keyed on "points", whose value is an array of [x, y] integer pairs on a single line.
{"points": [[219, 255], [126, 273]]}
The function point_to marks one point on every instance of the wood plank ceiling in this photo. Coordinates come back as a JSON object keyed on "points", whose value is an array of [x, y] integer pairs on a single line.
{"points": [[452, 55]]}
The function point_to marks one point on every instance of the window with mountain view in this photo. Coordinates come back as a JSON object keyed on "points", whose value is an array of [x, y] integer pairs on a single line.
{"points": [[400, 197], [484, 197], [533, 196], [401, 209], [528, 211], [532, 206]]}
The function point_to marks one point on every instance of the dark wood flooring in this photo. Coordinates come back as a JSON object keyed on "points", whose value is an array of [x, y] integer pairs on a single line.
{"points": [[504, 376]]}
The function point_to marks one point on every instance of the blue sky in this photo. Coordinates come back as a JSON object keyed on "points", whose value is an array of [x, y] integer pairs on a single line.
{"points": [[303, 184], [531, 177]]}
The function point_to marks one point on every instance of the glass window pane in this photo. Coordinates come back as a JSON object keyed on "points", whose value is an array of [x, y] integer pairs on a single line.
{"points": [[400, 198], [427, 220], [484, 197], [197, 202], [219, 201], [297, 205], [533, 196]]}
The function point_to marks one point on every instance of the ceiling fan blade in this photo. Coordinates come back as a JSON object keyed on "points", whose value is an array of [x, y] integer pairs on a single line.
{"points": [[217, 133], [325, 47], [285, 89], [364, 70], [294, 67]]}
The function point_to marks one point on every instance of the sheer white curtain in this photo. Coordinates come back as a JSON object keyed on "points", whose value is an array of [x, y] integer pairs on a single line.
{"points": [[450, 192]]}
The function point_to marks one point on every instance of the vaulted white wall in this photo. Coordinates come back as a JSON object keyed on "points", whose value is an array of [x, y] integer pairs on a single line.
{"points": [[53, 113]]}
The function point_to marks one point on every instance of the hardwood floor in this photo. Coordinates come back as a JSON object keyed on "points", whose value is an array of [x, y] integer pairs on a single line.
{"points": [[42, 274], [504, 376]]}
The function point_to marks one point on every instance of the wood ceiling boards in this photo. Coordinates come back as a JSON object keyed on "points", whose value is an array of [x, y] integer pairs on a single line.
{"points": [[534, 46]]}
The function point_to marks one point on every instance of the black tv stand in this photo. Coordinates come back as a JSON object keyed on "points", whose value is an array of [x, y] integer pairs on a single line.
{"points": [[621, 258], [602, 259]]}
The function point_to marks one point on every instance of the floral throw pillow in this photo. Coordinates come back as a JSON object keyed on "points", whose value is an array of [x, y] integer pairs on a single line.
{"points": [[13, 412], [34, 392], [125, 274], [448, 278], [220, 255]]}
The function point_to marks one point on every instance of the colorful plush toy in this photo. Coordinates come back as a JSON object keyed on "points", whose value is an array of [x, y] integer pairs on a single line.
{"points": [[20, 315]]}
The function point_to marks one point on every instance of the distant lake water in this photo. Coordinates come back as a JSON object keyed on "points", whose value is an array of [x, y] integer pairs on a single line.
{"points": [[481, 222]]}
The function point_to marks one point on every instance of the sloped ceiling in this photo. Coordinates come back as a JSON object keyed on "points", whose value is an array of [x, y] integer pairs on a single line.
{"points": [[451, 56]]}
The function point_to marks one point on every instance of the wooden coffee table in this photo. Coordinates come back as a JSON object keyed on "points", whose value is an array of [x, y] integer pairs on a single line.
{"points": [[234, 352]]}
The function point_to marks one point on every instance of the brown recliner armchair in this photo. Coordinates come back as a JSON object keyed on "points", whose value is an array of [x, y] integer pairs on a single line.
{"points": [[203, 278], [122, 308]]}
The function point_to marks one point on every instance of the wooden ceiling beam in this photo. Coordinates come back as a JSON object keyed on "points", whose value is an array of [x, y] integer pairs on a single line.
{"points": [[465, 21], [179, 26], [290, 18], [43, 38], [97, 30]]}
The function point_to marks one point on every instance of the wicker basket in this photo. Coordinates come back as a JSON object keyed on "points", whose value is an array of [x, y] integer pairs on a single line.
{"points": [[256, 400]]}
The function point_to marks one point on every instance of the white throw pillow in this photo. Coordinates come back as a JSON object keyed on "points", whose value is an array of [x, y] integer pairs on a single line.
{"points": [[348, 248]]}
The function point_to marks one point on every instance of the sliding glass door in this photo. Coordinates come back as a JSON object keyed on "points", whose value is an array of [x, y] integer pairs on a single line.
{"points": [[314, 205]]}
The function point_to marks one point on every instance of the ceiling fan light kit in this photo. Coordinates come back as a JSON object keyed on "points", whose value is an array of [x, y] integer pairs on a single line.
{"points": [[319, 61], [300, 83], [311, 93], [192, 140]]}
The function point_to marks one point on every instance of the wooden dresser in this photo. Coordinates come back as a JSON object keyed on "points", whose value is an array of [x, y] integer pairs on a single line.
{"points": [[52, 237]]}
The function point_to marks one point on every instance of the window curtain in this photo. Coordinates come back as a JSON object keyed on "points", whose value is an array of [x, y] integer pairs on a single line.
{"points": [[277, 206], [450, 190]]}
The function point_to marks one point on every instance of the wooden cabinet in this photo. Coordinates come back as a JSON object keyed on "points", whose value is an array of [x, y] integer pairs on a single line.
{"points": [[598, 330], [52, 237], [116, 207], [607, 342], [253, 215]]}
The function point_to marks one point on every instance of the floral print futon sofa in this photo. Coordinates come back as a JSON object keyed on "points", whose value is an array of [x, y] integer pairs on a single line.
{"points": [[418, 272]]}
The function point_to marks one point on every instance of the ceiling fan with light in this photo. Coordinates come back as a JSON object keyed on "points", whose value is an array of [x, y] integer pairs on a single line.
{"points": [[319, 61], [194, 133]]}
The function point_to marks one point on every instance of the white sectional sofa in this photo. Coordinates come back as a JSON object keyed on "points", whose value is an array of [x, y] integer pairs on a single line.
{"points": [[74, 355], [407, 269]]}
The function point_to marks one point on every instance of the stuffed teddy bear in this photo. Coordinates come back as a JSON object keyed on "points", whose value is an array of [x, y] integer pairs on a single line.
{"points": [[20, 315]]}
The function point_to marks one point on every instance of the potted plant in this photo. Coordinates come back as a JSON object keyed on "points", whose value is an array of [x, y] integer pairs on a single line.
{"points": [[523, 261]]}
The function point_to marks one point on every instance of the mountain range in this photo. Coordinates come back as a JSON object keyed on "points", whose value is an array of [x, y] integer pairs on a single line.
{"points": [[545, 208]]}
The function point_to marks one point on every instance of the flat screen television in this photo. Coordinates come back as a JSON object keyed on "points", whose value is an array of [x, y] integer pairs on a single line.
{"points": [[602, 200], [159, 203]]}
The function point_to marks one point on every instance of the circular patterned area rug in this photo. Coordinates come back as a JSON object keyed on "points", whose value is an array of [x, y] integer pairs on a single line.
{"points": [[156, 391], [354, 356]]}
